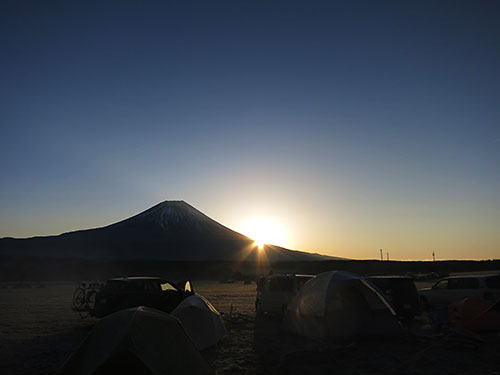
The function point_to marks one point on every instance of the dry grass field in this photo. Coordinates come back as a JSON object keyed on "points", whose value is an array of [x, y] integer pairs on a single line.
{"points": [[38, 331]]}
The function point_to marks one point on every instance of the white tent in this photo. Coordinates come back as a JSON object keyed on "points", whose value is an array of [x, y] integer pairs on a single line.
{"points": [[338, 305], [201, 321], [139, 340]]}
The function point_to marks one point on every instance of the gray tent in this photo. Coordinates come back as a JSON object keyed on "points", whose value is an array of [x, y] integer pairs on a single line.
{"points": [[201, 321], [139, 340], [340, 306]]}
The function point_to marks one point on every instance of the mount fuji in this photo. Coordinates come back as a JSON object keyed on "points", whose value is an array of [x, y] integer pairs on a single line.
{"points": [[171, 230]]}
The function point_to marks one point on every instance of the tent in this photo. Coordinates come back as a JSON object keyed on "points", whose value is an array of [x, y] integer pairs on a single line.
{"points": [[475, 314], [138, 340], [201, 321], [339, 306]]}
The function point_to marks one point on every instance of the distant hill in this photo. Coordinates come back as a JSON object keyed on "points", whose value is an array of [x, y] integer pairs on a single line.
{"points": [[171, 230]]}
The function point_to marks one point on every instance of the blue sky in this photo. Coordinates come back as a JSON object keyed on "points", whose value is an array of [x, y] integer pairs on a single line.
{"points": [[356, 125]]}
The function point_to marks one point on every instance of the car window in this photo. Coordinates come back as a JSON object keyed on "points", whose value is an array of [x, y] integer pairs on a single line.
{"points": [[403, 285], [493, 282], [115, 285], [135, 285], [443, 284], [281, 285], [302, 280], [380, 283], [151, 286], [465, 283], [167, 286]]}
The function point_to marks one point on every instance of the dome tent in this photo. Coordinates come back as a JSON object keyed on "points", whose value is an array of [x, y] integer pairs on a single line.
{"points": [[339, 306], [201, 321], [138, 340]]}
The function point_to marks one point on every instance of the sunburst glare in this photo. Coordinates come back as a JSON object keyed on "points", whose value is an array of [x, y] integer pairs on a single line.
{"points": [[264, 231]]}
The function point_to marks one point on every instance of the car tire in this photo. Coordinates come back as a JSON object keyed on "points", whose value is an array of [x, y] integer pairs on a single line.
{"points": [[78, 299]]}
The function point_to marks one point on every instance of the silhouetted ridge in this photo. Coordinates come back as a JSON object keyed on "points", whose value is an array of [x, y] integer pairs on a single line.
{"points": [[171, 230]]}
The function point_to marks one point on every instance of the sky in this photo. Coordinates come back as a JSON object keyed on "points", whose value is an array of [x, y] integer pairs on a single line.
{"points": [[345, 127]]}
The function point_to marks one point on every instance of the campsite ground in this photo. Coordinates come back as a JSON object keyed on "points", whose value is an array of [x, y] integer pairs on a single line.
{"points": [[38, 331]]}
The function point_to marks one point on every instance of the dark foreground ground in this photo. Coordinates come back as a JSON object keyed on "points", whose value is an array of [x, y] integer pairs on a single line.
{"points": [[38, 332]]}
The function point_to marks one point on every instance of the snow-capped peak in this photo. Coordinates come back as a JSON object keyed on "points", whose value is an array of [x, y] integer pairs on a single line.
{"points": [[169, 214]]}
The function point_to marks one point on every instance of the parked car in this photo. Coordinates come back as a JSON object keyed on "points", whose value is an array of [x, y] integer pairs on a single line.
{"points": [[455, 288], [401, 292], [275, 292], [125, 292]]}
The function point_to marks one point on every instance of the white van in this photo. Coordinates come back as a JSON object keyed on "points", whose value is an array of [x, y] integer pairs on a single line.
{"points": [[455, 288], [275, 292]]}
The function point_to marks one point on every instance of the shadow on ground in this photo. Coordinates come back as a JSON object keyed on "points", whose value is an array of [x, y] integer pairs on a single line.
{"points": [[444, 352], [42, 355]]}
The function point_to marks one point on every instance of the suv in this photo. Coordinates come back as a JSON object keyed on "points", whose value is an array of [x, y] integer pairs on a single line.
{"points": [[124, 292], [401, 292], [275, 292], [455, 288]]}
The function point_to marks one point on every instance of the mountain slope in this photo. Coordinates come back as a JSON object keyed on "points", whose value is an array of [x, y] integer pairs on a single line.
{"points": [[171, 230]]}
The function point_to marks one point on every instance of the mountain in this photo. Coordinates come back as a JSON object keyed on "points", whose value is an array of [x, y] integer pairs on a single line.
{"points": [[171, 230]]}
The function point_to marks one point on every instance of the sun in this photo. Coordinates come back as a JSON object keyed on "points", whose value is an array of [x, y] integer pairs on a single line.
{"points": [[259, 243], [264, 231]]}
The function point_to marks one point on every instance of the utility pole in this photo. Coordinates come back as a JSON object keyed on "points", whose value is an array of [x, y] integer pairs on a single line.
{"points": [[433, 256], [381, 255], [387, 256]]}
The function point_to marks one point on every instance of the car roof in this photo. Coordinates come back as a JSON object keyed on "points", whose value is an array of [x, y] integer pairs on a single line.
{"points": [[278, 276], [467, 277], [135, 278], [288, 276], [389, 277]]}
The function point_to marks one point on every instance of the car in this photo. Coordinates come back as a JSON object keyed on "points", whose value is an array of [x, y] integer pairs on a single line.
{"points": [[274, 292], [401, 292], [125, 292], [454, 288]]}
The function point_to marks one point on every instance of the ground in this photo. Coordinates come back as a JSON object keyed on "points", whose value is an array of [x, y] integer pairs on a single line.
{"points": [[38, 332]]}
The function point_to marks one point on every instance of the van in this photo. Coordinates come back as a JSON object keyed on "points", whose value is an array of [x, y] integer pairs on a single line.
{"points": [[454, 288], [401, 292], [274, 292]]}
